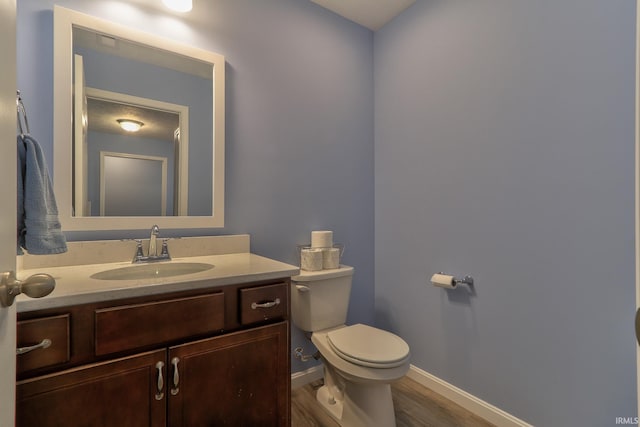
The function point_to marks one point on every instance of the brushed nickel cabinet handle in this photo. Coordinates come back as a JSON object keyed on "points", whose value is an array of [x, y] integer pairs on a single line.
{"points": [[269, 304], [160, 386], [45, 343], [176, 376]]}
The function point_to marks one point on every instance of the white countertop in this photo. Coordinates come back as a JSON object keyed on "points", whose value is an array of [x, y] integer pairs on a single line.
{"points": [[75, 286]]}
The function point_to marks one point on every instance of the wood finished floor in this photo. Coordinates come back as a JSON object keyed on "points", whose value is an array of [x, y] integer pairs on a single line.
{"points": [[415, 406]]}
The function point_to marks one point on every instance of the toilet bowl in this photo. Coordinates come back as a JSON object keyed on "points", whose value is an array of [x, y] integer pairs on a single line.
{"points": [[360, 361], [358, 374]]}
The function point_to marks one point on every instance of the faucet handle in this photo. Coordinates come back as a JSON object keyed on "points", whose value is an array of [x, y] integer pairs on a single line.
{"points": [[139, 251], [165, 249]]}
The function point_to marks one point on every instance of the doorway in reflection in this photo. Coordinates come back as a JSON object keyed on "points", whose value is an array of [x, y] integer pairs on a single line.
{"points": [[122, 169], [133, 185]]}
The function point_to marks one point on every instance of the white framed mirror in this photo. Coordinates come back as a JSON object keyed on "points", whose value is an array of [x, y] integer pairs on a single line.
{"points": [[106, 74]]}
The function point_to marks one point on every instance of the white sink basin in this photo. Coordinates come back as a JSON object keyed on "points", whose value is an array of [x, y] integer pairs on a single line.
{"points": [[150, 271]]}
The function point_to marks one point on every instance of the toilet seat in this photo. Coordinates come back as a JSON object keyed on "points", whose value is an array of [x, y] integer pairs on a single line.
{"points": [[367, 346]]}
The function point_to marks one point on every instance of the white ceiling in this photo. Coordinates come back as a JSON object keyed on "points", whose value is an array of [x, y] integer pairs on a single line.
{"points": [[372, 14]]}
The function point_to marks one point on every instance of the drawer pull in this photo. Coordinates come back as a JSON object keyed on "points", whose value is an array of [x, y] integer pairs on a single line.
{"points": [[159, 392], [45, 343], [176, 376], [269, 304]]}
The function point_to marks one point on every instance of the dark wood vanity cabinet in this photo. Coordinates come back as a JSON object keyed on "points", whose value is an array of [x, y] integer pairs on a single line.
{"points": [[249, 383], [212, 358], [114, 393]]}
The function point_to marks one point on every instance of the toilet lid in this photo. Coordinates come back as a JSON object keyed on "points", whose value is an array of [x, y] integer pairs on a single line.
{"points": [[368, 346]]}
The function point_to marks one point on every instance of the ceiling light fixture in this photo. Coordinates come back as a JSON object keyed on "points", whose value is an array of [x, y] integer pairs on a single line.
{"points": [[178, 5], [130, 125]]}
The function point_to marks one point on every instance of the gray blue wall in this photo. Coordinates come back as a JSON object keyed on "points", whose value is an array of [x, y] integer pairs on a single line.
{"points": [[299, 127], [504, 149]]}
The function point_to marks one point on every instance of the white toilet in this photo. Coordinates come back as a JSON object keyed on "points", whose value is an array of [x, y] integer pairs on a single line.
{"points": [[360, 361]]}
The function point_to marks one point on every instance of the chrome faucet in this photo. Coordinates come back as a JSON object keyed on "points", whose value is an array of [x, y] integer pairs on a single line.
{"points": [[153, 249], [152, 254]]}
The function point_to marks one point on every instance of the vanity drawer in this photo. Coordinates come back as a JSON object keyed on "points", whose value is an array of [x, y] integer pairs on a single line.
{"points": [[136, 326], [262, 303], [35, 331]]}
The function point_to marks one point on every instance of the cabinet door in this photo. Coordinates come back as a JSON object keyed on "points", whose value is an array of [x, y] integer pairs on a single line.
{"points": [[239, 379], [123, 392]]}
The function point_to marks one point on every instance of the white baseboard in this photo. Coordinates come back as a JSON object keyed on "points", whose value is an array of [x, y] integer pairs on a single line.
{"points": [[469, 402], [302, 378]]}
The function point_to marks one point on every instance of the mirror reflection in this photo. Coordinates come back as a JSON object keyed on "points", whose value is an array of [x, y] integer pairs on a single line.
{"points": [[139, 128], [137, 109]]}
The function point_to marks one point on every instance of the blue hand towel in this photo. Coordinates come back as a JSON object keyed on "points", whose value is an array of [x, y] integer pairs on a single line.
{"points": [[22, 163], [39, 230]]}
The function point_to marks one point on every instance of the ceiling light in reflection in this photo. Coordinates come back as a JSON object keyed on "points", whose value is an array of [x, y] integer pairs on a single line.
{"points": [[130, 125], [178, 5]]}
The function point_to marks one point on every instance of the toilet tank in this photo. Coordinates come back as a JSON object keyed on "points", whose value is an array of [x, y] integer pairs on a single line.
{"points": [[320, 299]]}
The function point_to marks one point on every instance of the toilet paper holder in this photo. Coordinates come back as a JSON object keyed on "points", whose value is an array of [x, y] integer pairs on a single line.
{"points": [[444, 280], [467, 280]]}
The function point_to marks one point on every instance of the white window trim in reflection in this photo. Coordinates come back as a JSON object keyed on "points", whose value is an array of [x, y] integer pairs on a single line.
{"points": [[64, 21]]}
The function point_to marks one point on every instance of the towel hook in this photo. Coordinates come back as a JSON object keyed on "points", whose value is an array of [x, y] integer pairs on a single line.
{"points": [[23, 116]]}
